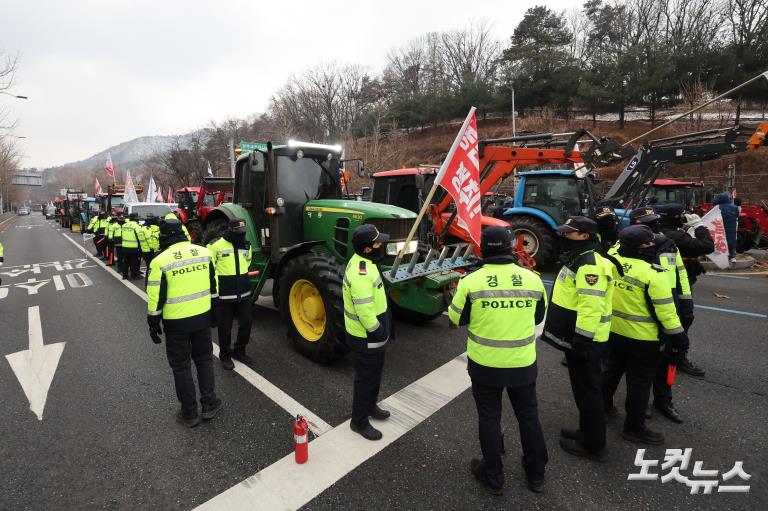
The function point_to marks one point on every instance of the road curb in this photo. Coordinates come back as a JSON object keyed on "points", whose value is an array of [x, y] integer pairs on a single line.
{"points": [[7, 220]]}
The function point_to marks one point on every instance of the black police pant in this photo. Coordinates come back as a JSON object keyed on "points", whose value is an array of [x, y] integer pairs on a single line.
{"points": [[196, 346], [365, 393], [99, 241], [118, 260], [131, 259], [586, 374], [640, 371], [662, 392], [228, 311], [523, 399]]}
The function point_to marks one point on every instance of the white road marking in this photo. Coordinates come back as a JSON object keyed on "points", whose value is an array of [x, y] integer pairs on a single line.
{"points": [[58, 283], [286, 485], [36, 366], [280, 398]]}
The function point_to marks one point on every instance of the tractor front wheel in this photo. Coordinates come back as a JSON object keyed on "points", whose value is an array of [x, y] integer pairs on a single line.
{"points": [[312, 307], [539, 240]]}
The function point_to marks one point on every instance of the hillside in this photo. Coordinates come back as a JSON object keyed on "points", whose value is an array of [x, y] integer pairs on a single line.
{"points": [[401, 150]]}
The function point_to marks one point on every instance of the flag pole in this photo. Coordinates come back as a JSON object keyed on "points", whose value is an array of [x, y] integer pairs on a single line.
{"points": [[428, 199]]}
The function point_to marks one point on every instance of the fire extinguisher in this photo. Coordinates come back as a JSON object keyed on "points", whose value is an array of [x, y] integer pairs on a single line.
{"points": [[301, 440]]}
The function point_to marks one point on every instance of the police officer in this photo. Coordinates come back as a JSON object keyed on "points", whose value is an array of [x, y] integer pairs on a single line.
{"points": [[670, 259], [367, 322], [110, 234], [2, 258], [607, 228], [232, 256], [100, 230], [175, 215], [578, 322], [644, 317], [132, 241], [674, 224], [502, 303], [149, 241], [182, 291]]}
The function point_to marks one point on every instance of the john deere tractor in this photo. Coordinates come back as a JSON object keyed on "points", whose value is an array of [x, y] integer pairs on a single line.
{"points": [[300, 227]]}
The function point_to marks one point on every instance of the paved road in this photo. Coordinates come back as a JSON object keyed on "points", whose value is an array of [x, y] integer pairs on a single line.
{"points": [[107, 438]]}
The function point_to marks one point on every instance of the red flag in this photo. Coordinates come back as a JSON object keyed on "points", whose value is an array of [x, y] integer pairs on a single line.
{"points": [[108, 166], [96, 188], [460, 176], [170, 195]]}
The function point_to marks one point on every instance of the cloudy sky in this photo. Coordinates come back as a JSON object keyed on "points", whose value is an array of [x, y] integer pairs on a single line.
{"points": [[101, 72]]}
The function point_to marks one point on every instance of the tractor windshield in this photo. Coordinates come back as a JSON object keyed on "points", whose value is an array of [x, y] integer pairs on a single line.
{"points": [[558, 196], [308, 178], [669, 194], [210, 199]]}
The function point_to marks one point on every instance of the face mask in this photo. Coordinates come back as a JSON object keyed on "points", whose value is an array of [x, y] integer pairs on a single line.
{"points": [[235, 237], [648, 252], [377, 254], [566, 244]]}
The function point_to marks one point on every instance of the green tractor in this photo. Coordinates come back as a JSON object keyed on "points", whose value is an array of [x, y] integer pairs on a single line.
{"points": [[300, 227]]}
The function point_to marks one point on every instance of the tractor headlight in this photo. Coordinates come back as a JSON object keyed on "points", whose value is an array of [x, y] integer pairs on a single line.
{"points": [[394, 248]]}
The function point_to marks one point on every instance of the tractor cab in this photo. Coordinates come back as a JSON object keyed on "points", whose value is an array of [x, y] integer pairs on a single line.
{"points": [[667, 191], [186, 198], [557, 193]]}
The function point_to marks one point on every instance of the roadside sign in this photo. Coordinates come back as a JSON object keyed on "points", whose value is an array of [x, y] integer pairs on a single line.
{"points": [[249, 147]]}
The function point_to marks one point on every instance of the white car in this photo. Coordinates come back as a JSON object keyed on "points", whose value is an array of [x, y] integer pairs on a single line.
{"points": [[159, 209], [24, 211]]}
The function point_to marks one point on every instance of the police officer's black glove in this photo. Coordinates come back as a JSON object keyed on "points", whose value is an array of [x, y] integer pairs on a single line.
{"points": [[676, 355], [155, 331], [676, 344], [686, 320], [580, 346]]}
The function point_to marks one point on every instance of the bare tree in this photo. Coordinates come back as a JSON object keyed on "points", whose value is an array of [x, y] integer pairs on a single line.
{"points": [[8, 66]]}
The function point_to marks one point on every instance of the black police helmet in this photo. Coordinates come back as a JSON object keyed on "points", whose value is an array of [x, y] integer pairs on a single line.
{"points": [[578, 224], [366, 235], [635, 236], [643, 216], [496, 241], [170, 227]]}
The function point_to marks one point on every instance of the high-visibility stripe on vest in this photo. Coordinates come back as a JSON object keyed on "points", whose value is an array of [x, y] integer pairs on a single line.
{"points": [[643, 283], [231, 267], [92, 224], [364, 298], [186, 270], [502, 326]]}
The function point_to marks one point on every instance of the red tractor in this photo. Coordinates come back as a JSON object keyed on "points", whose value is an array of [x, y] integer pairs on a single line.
{"points": [[195, 202], [753, 218]]}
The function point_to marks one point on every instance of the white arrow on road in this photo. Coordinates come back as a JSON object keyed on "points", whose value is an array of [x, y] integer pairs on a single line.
{"points": [[35, 367]]}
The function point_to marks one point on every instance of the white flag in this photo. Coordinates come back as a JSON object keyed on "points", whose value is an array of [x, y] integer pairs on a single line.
{"points": [[210, 172], [129, 197], [151, 190], [714, 222], [159, 196], [96, 188]]}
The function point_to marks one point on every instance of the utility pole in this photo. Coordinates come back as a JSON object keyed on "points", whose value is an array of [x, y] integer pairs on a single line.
{"points": [[232, 156], [514, 131]]}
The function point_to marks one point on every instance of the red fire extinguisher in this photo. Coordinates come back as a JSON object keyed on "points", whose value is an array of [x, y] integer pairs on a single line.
{"points": [[300, 440]]}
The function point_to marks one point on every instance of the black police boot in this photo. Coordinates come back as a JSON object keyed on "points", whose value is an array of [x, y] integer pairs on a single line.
{"points": [[477, 468], [379, 413], [240, 356], [535, 483], [209, 412], [226, 362], [368, 432], [690, 368], [577, 449], [189, 422], [570, 433], [644, 436], [669, 411]]}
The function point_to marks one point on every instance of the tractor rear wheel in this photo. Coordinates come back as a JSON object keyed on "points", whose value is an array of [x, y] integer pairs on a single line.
{"points": [[538, 238], [312, 306]]}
